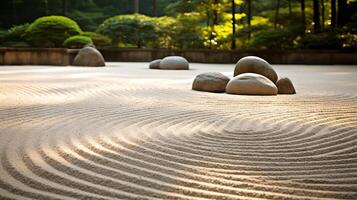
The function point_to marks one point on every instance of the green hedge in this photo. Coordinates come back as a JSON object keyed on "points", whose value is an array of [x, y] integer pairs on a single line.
{"points": [[324, 40], [130, 30], [14, 37], [51, 31], [77, 42], [99, 40]]}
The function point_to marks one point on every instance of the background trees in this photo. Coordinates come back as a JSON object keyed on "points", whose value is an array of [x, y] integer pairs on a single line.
{"points": [[212, 24]]}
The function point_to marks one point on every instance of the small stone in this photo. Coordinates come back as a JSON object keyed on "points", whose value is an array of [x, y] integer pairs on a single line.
{"points": [[174, 63], [155, 64], [89, 56], [253, 64], [210, 82], [251, 84], [285, 86]]}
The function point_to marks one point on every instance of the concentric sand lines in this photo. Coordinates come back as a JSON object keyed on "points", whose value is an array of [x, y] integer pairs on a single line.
{"points": [[123, 132]]}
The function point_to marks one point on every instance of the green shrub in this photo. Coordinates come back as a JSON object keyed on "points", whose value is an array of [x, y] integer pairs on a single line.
{"points": [[327, 40], [51, 31], [77, 42], [99, 40], [15, 44], [14, 37], [187, 32], [279, 38], [18, 32], [349, 40], [133, 29], [3, 36], [165, 30], [88, 19]]}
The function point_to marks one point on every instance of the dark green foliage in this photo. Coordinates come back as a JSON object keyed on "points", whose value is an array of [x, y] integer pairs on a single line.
{"points": [[99, 40], [77, 42], [136, 29], [18, 32], [279, 38], [15, 36], [187, 24], [166, 31], [16, 44], [51, 31], [3, 36], [349, 41], [188, 32], [326, 40], [88, 20]]}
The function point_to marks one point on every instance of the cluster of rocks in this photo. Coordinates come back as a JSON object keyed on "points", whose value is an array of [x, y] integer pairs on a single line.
{"points": [[89, 56], [170, 63], [252, 76]]}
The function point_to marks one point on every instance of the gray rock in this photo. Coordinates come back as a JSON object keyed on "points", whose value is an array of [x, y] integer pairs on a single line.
{"points": [[155, 64], [251, 84], [174, 63], [89, 56], [253, 64], [210, 82], [285, 86]]}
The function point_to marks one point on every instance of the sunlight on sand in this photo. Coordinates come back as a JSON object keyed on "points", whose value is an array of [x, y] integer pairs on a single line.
{"points": [[126, 132]]}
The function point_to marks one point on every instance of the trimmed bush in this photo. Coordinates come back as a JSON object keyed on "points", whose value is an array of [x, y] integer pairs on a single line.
{"points": [[279, 38], [77, 42], [327, 40], [51, 31], [17, 33], [133, 29], [99, 40], [14, 37], [3, 36]]}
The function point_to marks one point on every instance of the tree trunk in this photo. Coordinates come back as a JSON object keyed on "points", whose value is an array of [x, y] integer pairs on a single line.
{"points": [[233, 25], [215, 13], [14, 12], [303, 15], [277, 13], [208, 18], [154, 8], [136, 6], [341, 15], [333, 14], [64, 7], [249, 15], [316, 8], [214, 22], [45, 2], [323, 13]]}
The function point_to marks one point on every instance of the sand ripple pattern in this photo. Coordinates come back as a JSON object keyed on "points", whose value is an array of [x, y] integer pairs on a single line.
{"points": [[70, 138]]}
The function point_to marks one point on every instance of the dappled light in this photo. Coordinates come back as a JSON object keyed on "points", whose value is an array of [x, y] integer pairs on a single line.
{"points": [[181, 24]]}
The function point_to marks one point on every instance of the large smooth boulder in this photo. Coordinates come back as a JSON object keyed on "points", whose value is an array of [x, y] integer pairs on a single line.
{"points": [[155, 64], [251, 84], [285, 86], [210, 82], [174, 63], [253, 64], [89, 56]]}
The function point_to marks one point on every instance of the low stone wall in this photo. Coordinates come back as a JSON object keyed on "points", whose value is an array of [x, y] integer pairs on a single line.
{"points": [[64, 57], [313, 57], [34, 56]]}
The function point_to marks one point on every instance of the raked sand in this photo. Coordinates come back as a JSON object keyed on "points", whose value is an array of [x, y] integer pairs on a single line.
{"points": [[127, 132]]}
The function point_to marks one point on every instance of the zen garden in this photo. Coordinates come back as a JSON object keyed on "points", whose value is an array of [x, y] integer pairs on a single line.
{"points": [[178, 99]]}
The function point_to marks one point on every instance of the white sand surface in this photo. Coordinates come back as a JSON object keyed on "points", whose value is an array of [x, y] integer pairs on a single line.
{"points": [[127, 132]]}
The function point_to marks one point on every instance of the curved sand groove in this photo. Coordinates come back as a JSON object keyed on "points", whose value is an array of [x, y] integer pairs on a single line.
{"points": [[128, 133]]}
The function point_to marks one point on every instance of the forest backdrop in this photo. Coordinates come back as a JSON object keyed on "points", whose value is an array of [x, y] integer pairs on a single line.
{"points": [[183, 24]]}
